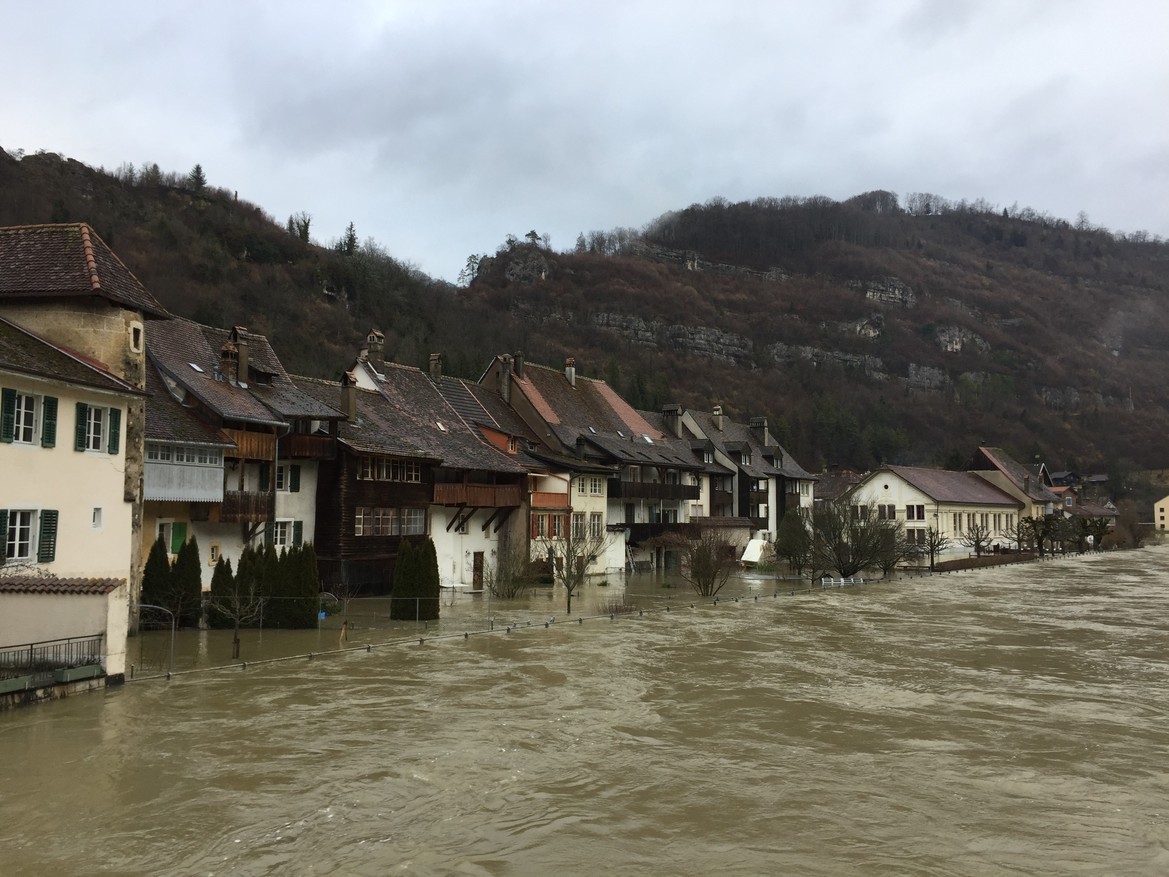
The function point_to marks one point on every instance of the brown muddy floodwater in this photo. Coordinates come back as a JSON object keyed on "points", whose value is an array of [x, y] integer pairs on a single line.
{"points": [[1010, 721]]}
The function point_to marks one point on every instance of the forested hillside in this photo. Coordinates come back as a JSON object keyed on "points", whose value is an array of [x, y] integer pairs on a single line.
{"points": [[875, 329]]}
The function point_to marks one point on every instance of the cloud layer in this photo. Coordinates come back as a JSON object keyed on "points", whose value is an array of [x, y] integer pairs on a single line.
{"points": [[440, 127]]}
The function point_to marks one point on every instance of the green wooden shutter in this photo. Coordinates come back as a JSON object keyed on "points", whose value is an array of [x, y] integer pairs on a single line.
{"points": [[49, 422], [265, 476], [47, 544], [115, 430], [178, 536], [294, 479], [7, 414], [268, 534], [3, 534], [297, 532], [79, 429]]}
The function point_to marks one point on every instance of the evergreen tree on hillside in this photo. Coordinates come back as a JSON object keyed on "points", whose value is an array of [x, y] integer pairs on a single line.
{"points": [[196, 179]]}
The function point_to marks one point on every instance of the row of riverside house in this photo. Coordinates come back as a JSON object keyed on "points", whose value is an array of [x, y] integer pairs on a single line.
{"points": [[122, 424]]}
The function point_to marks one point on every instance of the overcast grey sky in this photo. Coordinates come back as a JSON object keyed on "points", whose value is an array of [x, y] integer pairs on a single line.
{"points": [[440, 127]]}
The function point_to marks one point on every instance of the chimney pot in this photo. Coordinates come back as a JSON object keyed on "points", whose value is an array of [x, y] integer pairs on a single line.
{"points": [[570, 370]]}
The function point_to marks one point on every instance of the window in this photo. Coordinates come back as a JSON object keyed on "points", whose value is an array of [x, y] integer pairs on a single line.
{"points": [[216, 553], [1067, 501], [557, 526], [284, 533], [513, 444], [708, 456], [281, 532], [135, 337], [413, 522], [805, 488], [173, 534], [380, 469], [27, 534], [27, 419], [596, 486], [915, 536], [97, 428], [539, 526], [887, 512], [19, 543], [578, 525], [95, 519], [915, 513], [363, 521], [582, 486], [596, 525], [24, 428]]}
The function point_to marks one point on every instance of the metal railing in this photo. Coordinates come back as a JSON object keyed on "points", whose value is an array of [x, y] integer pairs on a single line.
{"points": [[45, 657]]}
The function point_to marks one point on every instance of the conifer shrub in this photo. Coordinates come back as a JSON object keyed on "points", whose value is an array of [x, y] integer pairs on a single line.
{"points": [[187, 584]]}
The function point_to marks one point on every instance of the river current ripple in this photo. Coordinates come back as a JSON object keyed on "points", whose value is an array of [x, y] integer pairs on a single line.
{"points": [[1004, 722]]}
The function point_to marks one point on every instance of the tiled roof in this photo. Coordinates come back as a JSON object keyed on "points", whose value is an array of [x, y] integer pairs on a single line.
{"points": [[24, 352], [592, 412], [168, 421], [423, 417], [373, 430], [35, 585], [944, 485], [834, 484], [178, 346], [68, 261], [1018, 474], [738, 435]]}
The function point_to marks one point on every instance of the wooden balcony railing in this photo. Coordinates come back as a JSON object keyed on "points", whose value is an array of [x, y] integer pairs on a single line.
{"points": [[639, 533], [244, 505], [551, 501], [652, 490], [250, 445], [484, 496], [298, 447]]}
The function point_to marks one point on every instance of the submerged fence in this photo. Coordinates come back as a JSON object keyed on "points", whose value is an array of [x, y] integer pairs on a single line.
{"points": [[42, 661]]}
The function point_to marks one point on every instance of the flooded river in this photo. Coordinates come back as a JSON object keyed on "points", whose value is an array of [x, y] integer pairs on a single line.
{"points": [[1004, 722]]}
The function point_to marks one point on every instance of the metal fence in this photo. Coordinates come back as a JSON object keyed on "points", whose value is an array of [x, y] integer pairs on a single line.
{"points": [[43, 659]]}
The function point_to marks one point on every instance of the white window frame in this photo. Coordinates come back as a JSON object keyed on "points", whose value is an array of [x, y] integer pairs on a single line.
{"points": [[29, 413], [95, 519], [97, 421], [30, 541], [282, 532], [596, 486], [596, 525]]}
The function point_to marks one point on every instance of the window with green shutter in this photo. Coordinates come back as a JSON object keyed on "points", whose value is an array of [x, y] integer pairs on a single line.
{"points": [[80, 428], [47, 543], [49, 422], [294, 479], [3, 535], [178, 536], [265, 477], [115, 420], [297, 532], [7, 414]]}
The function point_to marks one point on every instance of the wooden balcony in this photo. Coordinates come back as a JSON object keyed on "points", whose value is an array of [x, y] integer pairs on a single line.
{"points": [[652, 490], [250, 445], [483, 496], [300, 447], [550, 501], [244, 505], [639, 533]]}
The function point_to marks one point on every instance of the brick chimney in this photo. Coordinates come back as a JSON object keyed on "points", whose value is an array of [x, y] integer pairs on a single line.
{"points": [[570, 370], [375, 348], [229, 362], [519, 363], [239, 335], [436, 367], [349, 395], [672, 417], [505, 372], [760, 431], [717, 417]]}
